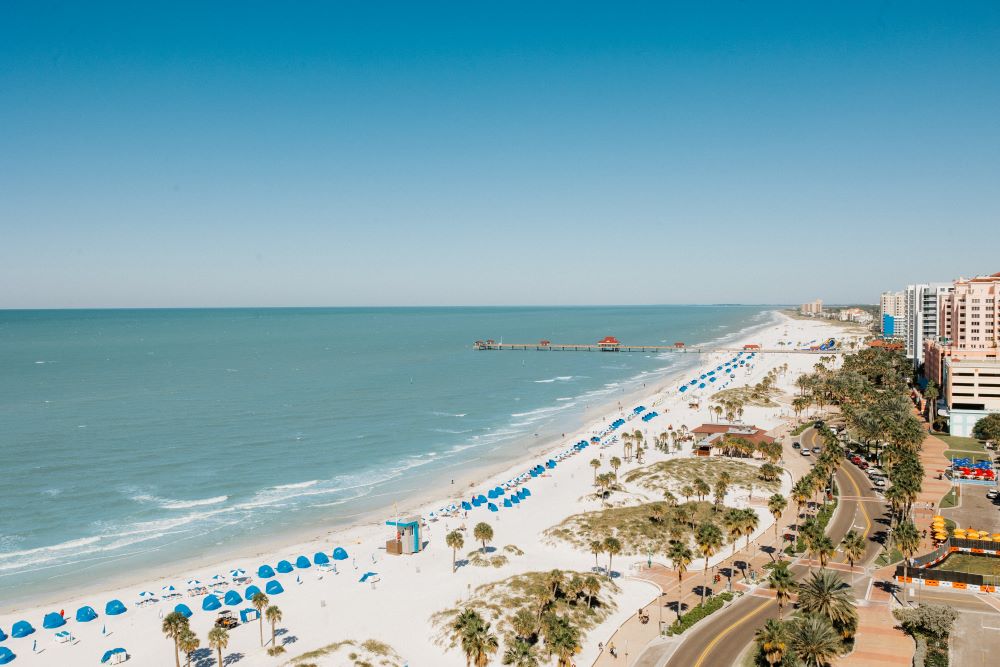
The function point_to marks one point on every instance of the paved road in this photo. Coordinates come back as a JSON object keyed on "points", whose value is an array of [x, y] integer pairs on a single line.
{"points": [[719, 639]]}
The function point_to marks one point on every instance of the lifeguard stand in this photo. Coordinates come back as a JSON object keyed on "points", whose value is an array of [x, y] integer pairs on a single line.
{"points": [[407, 540]]}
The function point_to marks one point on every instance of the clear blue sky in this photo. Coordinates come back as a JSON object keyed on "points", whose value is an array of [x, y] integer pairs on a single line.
{"points": [[490, 153]]}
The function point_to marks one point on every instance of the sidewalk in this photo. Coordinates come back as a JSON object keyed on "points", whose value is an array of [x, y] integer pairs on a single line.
{"points": [[878, 641]]}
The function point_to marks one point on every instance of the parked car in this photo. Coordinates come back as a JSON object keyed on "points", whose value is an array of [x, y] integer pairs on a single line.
{"points": [[816, 450], [879, 482], [795, 445], [819, 423], [805, 451], [992, 494]]}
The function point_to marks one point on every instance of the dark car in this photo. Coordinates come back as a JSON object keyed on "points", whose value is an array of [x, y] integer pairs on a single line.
{"points": [[819, 423], [795, 445]]}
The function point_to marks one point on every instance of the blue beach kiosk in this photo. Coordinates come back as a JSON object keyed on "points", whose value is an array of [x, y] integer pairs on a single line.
{"points": [[407, 539]]}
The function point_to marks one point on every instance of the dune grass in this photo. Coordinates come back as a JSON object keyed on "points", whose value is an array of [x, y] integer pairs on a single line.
{"points": [[357, 654], [748, 396], [637, 527], [677, 473], [497, 602]]}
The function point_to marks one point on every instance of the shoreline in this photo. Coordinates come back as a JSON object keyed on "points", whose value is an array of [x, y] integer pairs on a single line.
{"points": [[398, 610], [633, 390]]}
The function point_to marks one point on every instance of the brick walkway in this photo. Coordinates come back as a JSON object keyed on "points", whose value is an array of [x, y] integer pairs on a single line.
{"points": [[878, 641]]}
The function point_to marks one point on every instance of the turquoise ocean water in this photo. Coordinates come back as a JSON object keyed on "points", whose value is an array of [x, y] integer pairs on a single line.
{"points": [[137, 438]]}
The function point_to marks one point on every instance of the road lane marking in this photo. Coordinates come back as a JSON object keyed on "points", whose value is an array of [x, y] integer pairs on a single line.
{"points": [[721, 635]]}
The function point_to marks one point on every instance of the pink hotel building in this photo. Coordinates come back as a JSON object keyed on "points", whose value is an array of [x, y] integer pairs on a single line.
{"points": [[965, 360]]}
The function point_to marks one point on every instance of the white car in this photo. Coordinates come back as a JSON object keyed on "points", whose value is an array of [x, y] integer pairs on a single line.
{"points": [[806, 452], [991, 494], [879, 483]]}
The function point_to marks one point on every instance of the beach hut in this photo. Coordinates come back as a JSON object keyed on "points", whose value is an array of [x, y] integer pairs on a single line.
{"points": [[114, 656], [302, 563], [339, 554], [53, 620], [114, 608], [321, 558], [249, 614], [210, 603], [284, 567], [6, 655], [274, 587], [250, 592], [515, 499], [21, 629], [265, 572], [233, 598], [183, 610], [85, 614]]}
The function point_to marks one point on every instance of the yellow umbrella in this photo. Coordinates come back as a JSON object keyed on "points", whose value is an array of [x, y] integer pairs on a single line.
{"points": [[996, 537], [940, 536], [938, 517]]}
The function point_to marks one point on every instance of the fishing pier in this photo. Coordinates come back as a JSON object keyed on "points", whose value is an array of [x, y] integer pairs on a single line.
{"points": [[612, 344]]}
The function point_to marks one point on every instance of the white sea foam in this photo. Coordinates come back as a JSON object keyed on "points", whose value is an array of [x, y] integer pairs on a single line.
{"points": [[297, 485], [185, 504], [560, 378]]}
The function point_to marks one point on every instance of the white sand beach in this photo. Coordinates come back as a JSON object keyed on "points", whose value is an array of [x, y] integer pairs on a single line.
{"points": [[321, 608]]}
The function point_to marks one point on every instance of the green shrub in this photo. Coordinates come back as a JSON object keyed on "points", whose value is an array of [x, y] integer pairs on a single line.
{"points": [[712, 605]]}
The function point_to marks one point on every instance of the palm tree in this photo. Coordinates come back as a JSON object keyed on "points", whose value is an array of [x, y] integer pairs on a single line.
{"points": [[218, 639], [721, 486], [615, 463], [687, 492], [824, 550], [596, 548], [825, 594], [592, 587], [733, 523], [273, 617], [814, 641], [776, 504], [456, 541], [709, 539], [772, 639], [701, 488], [613, 547], [563, 639], [907, 541], [854, 546], [174, 625], [188, 643], [483, 532], [680, 555], [473, 633], [782, 583], [521, 654], [749, 521], [595, 464], [260, 602]]}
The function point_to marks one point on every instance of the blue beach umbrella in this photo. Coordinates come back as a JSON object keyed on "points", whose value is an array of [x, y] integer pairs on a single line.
{"points": [[6, 655], [321, 558], [684, 388], [108, 654], [491, 507], [476, 502], [85, 614], [250, 592], [184, 610], [114, 608], [233, 598], [515, 499], [507, 503], [466, 506], [53, 620], [491, 494], [21, 629], [302, 563], [274, 587], [285, 567], [210, 603], [265, 572], [481, 498], [527, 493], [339, 554], [3, 635]]}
